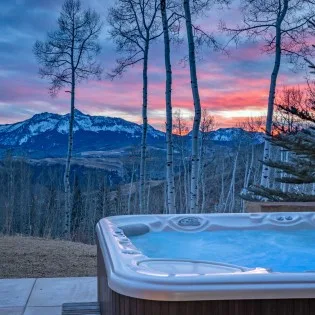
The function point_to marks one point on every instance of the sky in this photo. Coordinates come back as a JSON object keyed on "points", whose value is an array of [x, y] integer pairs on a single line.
{"points": [[232, 86]]}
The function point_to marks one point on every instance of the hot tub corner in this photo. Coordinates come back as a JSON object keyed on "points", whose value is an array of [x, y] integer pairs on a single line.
{"points": [[113, 302]]}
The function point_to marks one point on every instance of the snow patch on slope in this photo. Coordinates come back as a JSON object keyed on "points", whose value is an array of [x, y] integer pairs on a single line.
{"points": [[22, 132]]}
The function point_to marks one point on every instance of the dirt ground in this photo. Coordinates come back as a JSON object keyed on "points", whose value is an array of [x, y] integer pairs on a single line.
{"points": [[29, 257]]}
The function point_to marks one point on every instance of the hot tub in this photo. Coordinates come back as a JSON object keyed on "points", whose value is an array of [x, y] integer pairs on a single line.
{"points": [[218, 264]]}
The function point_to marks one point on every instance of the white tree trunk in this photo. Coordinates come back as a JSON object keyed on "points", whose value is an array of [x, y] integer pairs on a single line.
{"points": [[230, 199], [130, 188], [222, 193], [169, 116], [165, 211], [148, 198], [251, 166], [220, 206], [67, 221], [186, 184], [142, 189], [203, 183], [200, 172], [184, 187], [265, 175], [180, 193], [197, 107]]}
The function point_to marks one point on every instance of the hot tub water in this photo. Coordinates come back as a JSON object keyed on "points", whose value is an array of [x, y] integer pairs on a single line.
{"points": [[280, 251]]}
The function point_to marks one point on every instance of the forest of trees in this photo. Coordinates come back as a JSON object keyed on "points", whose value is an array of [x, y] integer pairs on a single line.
{"points": [[39, 209], [200, 176]]}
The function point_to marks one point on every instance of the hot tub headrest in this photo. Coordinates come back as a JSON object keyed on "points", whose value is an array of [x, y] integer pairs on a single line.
{"points": [[135, 229]]}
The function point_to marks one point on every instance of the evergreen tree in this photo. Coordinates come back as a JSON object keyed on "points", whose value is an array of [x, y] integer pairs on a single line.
{"points": [[299, 170]]}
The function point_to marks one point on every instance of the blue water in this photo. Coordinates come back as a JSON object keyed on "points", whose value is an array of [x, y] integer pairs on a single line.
{"points": [[292, 251]]}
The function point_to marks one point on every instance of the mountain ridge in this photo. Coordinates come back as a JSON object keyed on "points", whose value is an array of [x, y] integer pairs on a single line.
{"points": [[45, 134]]}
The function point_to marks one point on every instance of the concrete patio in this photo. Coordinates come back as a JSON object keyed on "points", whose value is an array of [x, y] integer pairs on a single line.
{"points": [[44, 296]]}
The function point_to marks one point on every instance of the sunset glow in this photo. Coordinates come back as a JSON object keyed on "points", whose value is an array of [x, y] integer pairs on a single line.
{"points": [[231, 87]]}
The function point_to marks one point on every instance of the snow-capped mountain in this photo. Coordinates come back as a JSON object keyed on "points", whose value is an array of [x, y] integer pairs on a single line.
{"points": [[235, 135], [45, 135]]}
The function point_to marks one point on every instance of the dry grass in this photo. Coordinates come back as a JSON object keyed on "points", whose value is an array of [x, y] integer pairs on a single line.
{"points": [[30, 257]]}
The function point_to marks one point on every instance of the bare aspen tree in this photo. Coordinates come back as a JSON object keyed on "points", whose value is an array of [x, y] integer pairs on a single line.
{"points": [[252, 125], [170, 184], [310, 63], [130, 188], [133, 26], [206, 126], [286, 122], [222, 200], [66, 58], [148, 195], [197, 110], [132, 161], [230, 198], [9, 196], [282, 24], [265, 176], [196, 34], [181, 129]]}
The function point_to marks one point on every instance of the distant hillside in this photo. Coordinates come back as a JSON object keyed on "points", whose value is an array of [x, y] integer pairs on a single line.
{"points": [[45, 135]]}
